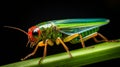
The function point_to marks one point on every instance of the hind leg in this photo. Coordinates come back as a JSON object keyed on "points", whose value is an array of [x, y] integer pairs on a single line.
{"points": [[100, 35], [69, 38]]}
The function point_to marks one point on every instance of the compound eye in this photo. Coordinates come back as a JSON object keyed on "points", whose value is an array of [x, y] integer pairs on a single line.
{"points": [[36, 32]]}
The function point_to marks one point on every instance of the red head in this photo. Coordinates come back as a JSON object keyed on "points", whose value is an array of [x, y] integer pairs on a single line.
{"points": [[34, 34]]}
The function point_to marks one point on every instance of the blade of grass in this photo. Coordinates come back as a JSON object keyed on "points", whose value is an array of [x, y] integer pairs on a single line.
{"points": [[84, 56]]}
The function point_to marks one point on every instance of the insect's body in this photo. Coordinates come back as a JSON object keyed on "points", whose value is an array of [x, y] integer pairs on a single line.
{"points": [[63, 28], [50, 33], [61, 31]]}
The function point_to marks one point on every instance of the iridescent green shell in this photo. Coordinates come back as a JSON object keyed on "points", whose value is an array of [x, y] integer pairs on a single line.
{"points": [[70, 26]]}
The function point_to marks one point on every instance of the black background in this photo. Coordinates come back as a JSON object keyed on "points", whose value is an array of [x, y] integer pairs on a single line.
{"points": [[26, 14]]}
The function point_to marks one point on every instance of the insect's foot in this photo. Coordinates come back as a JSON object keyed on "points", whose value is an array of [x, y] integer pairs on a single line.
{"points": [[22, 59], [40, 61], [114, 40], [100, 41], [111, 41], [71, 56], [91, 47]]}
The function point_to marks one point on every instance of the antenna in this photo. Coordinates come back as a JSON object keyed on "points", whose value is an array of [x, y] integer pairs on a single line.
{"points": [[17, 29], [21, 31]]}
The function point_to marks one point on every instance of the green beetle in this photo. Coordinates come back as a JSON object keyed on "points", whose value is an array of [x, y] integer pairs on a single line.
{"points": [[60, 31]]}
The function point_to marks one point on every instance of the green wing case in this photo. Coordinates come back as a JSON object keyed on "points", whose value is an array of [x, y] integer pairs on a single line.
{"points": [[71, 26]]}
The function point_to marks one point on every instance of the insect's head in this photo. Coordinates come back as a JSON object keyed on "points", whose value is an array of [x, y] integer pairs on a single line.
{"points": [[34, 33]]}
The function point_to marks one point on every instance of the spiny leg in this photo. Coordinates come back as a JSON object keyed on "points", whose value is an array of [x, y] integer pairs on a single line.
{"points": [[66, 48], [67, 39], [32, 44], [45, 51], [82, 41], [27, 43], [95, 39], [103, 37], [93, 35], [31, 54]]}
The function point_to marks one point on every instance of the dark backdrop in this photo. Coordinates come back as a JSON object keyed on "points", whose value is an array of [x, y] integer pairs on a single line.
{"points": [[26, 14]]}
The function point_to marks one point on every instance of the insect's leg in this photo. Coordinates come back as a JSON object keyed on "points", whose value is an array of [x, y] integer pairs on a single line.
{"points": [[95, 39], [66, 48], [45, 51], [67, 39], [103, 37], [27, 43], [57, 42], [82, 41], [50, 42], [31, 54]]}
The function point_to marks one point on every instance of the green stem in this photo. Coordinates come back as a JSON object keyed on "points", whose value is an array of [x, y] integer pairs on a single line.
{"points": [[84, 56]]}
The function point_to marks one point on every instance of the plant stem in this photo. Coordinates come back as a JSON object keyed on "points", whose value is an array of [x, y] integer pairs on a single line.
{"points": [[83, 56]]}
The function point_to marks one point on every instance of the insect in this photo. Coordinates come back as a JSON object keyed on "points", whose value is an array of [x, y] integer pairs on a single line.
{"points": [[61, 31]]}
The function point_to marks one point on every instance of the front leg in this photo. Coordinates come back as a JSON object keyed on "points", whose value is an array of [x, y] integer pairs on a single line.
{"points": [[45, 51], [40, 44]]}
